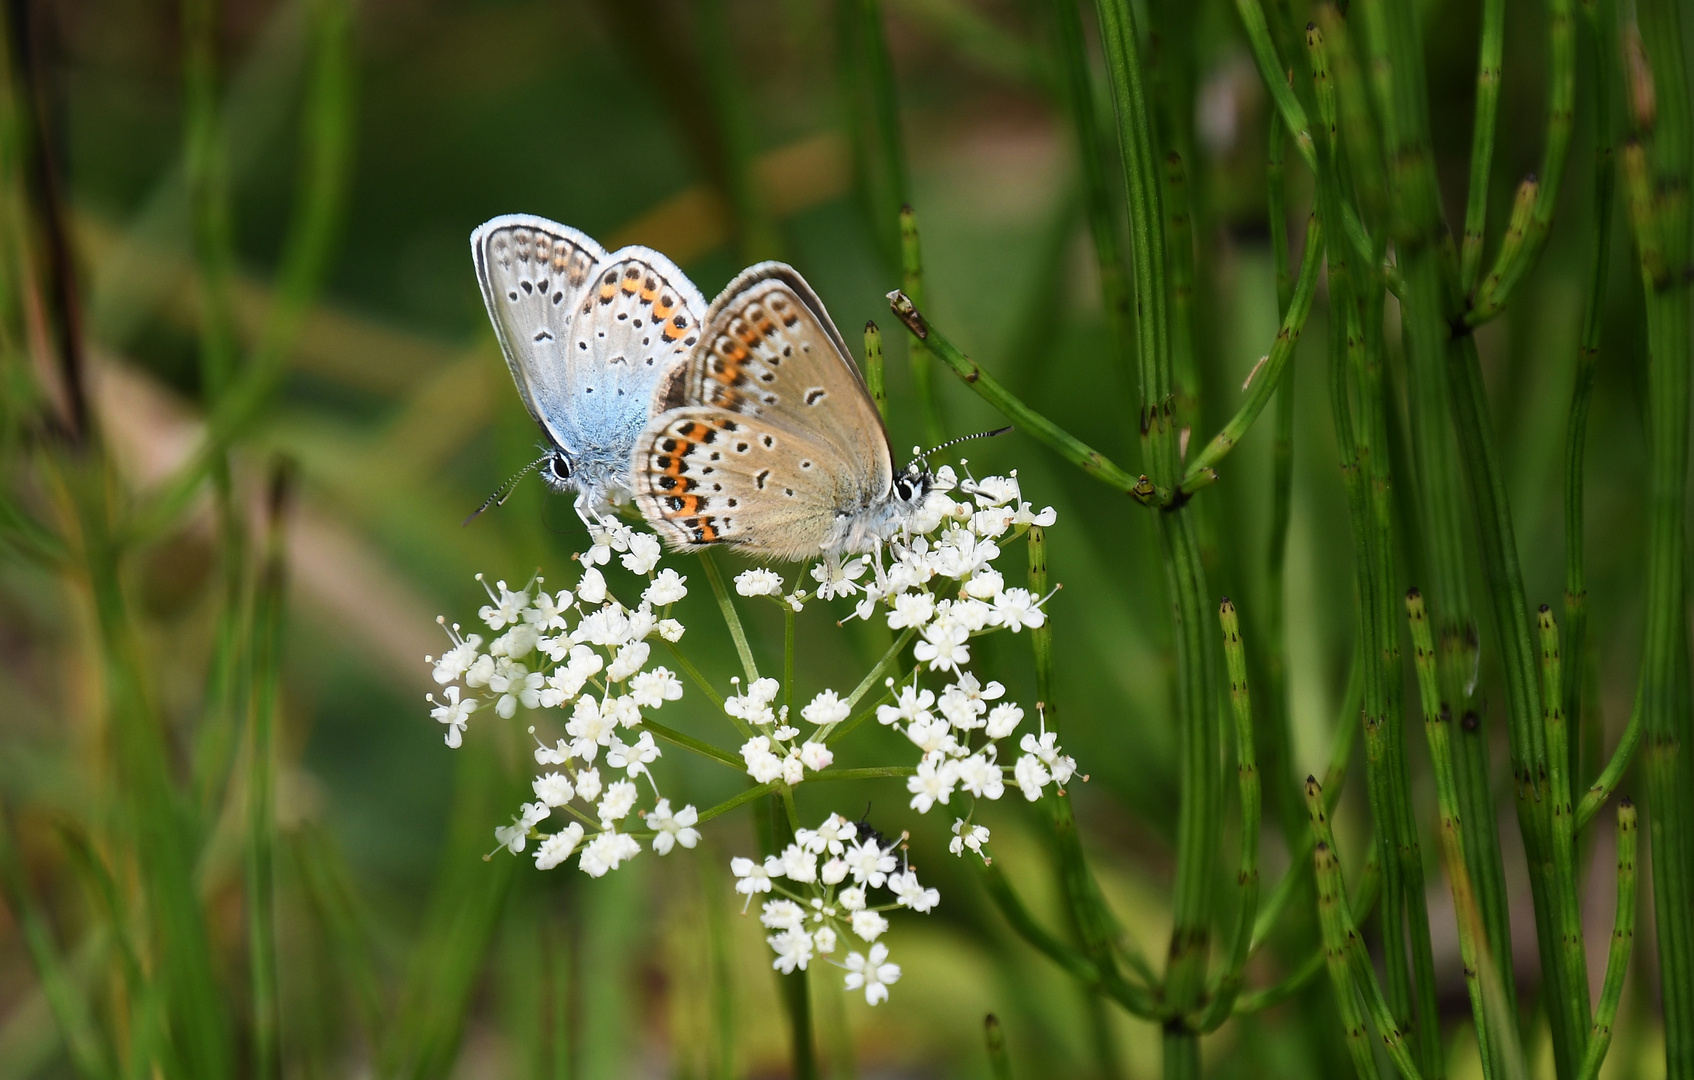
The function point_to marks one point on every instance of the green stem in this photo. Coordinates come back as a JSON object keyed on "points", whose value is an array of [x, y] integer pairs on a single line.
{"points": [[998, 1063], [1607, 782], [1247, 772], [874, 375], [1662, 223], [731, 619], [1332, 918], [269, 619], [923, 369], [1623, 941], [1041, 637], [1267, 377], [1026, 419], [1364, 898], [689, 742], [1488, 64]]}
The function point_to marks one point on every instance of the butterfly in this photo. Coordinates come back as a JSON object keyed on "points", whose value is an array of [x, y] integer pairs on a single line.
{"points": [[589, 337], [768, 440]]}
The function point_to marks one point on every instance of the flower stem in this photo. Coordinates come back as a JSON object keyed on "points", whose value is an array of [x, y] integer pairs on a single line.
{"points": [[1623, 941], [731, 619]]}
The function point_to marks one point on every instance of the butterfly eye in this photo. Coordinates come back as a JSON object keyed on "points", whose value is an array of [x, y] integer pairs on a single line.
{"points": [[560, 466]]}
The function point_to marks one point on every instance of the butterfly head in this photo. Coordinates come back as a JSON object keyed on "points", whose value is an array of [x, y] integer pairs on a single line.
{"points": [[913, 485], [559, 471]]}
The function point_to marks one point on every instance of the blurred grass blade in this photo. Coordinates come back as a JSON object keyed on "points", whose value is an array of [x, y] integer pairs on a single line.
{"points": [[269, 620], [346, 927], [995, 1036], [89, 1053]]}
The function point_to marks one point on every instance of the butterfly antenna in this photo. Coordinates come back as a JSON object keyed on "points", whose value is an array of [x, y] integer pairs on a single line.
{"points": [[504, 491], [961, 439]]}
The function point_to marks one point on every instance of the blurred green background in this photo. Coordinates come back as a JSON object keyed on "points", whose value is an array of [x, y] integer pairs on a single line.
{"points": [[403, 952]]}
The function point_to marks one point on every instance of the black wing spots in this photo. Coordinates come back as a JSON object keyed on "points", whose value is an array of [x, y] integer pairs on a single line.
{"points": [[544, 334], [637, 325], [806, 463], [680, 321], [717, 487], [583, 345], [558, 298], [647, 341], [732, 504], [526, 286], [769, 399], [512, 294], [815, 395], [759, 480], [611, 278], [649, 359], [788, 492], [715, 455], [769, 441], [589, 389], [769, 376], [787, 350], [665, 483], [742, 448], [689, 340], [623, 316], [541, 286]]}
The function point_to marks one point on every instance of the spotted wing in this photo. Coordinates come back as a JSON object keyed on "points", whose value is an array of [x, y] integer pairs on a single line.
{"points": [[588, 335], [770, 441]]}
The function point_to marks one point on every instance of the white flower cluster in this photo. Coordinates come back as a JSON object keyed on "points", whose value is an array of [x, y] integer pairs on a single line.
{"points": [[823, 884], [937, 582], [584, 652]]}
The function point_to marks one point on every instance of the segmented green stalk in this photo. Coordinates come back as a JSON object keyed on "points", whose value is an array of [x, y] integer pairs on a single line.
{"points": [[1198, 813], [1275, 73], [1247, 777], [1438, 724], [923, 370], [1623, 942], [1488, 62], [874, 375], [1027, 420], [1660, 213], [1332, 918], [1607, 782], [1266, 378], [1512, 267], [1078, 86], [1179, 239]]}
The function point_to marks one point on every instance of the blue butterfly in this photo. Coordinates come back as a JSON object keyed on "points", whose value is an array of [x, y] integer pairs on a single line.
{"points": [[589, 337]]}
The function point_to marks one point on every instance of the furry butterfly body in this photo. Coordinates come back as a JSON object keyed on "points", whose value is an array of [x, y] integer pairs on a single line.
{"points": [[589, 337], [768, 440]]}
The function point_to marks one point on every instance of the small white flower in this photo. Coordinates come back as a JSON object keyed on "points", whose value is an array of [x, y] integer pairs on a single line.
{"points": [[758, 581], [651, 689], [944, 647], [518, 641], [608, 628], [512, 837], [1047, 749], [507, 606], [630, 659], [666, 589], [591, 590], [606, 852], [1015, 609], [457, 660], [670, 630], [621, 711], [453, 712], [852, 898], [832, 835], [549, 612], [670, 829], [823, 939], [618, 802], [1026, 516], [1003, 719], [588, 785], [911, 705], [798, 864], [816, 756], [480, 671], [993, 490], [556, 848], [837, 578], [633, 759], [869, 925], [762, 765], [908, 893], [782, 915], [750, 876], [793, 769], [793, 950], [833, 872], [644, 552], [979, 775], [554, 789], [911, 609], [985, 584], [590, 727], [869, 863], [934, 737], [874, 973], [933, 784], [967, 836], [1031, 776], [516, 685], [826, 708]]}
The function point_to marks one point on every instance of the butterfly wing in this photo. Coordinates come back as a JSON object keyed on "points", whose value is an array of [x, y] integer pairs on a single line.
{"points": [[769, 440], [587, 334]]}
